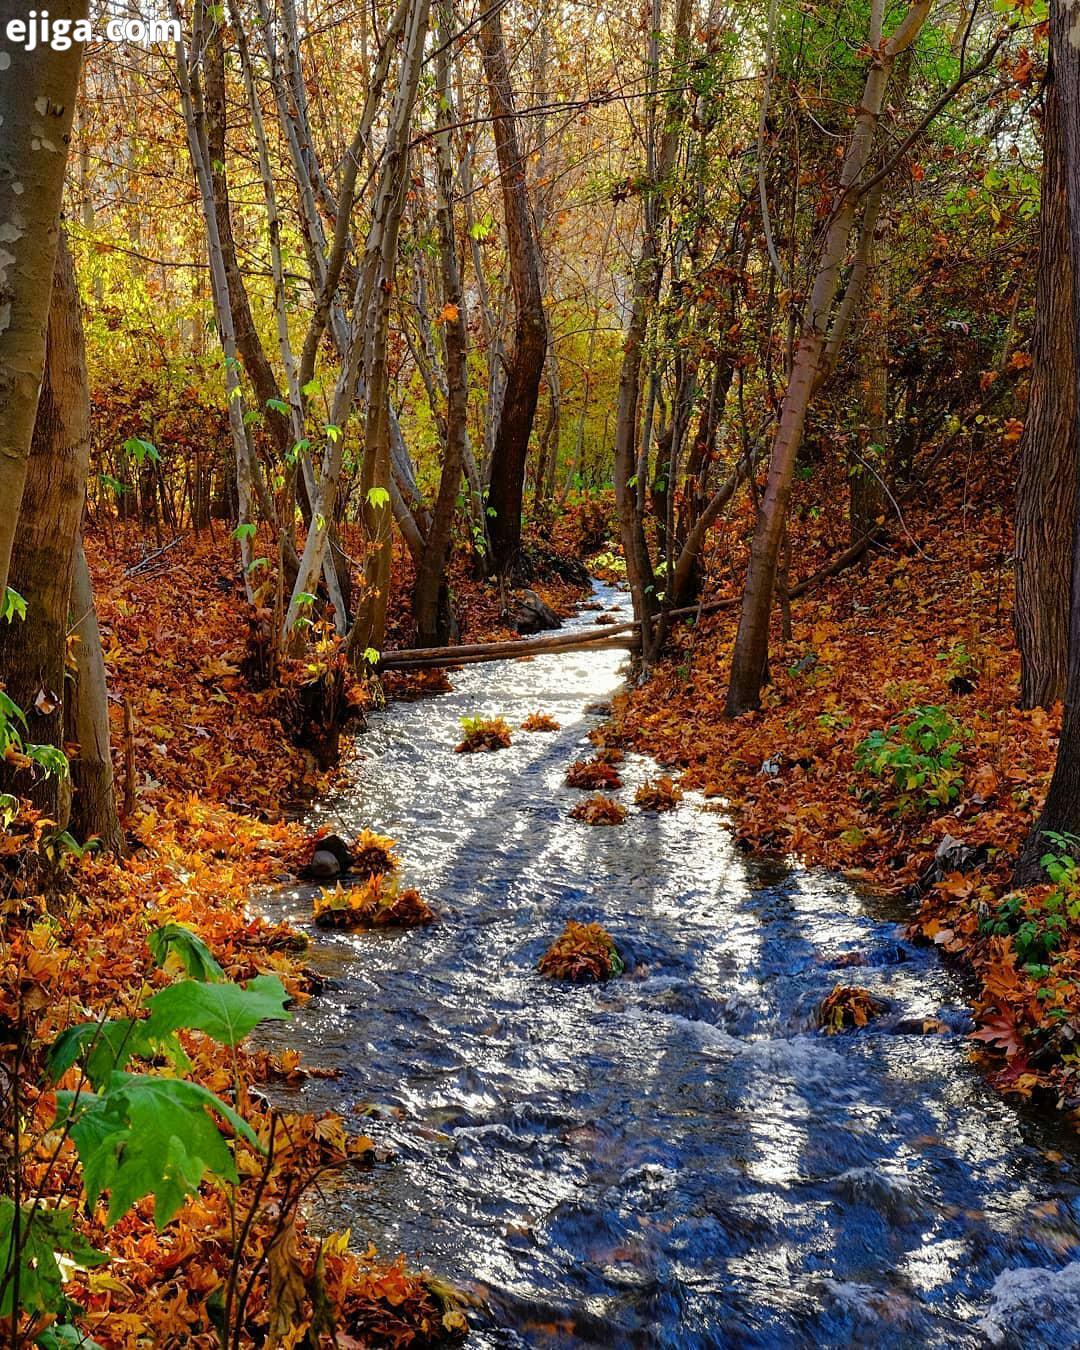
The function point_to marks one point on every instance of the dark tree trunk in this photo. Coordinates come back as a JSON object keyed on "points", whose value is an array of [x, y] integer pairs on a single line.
{"points": [[32, 650], [431, 597], [1047, 480], [1061, 814], [248, 343], [511, 448]]}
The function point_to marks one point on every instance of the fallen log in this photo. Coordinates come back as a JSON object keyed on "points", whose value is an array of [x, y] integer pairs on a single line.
{"points": [[622, 635]]}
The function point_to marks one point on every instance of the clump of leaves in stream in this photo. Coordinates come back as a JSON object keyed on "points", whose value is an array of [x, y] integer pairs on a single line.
{"points": [[848, 1006], [919, 752], [593, 774], [582, 953], [540, 721], [378, 902], [373, 854], [483, 733], [599, 810], [658, 794]]}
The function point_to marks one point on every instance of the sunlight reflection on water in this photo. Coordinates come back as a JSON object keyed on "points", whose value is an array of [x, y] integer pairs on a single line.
{"points": [[677, 1158]]}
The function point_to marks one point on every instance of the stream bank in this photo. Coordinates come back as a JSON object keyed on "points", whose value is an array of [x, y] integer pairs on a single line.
{"points": [[677, 1158]]}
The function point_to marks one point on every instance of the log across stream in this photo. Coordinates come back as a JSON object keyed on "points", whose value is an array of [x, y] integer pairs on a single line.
{"points": [[677, 1158]]}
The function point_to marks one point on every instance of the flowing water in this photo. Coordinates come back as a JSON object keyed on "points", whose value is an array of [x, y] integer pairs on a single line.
{"points": [[676, 1158]]}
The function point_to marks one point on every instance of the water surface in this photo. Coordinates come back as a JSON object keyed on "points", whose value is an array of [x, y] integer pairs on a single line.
{"points": [[677, 1158]]}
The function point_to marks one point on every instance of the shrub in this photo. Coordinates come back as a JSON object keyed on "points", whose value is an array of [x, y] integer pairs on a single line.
{"points": [[919, 752], [380, 902], [483, 733], [581, 953], [593, 774], [1038, 922], [599, 810]]}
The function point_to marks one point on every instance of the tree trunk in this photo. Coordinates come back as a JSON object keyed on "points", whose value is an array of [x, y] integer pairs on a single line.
{"points": [[629, 498], [431, 607], [1061, 814], [869, 467], [750, 656], [37, 104], [369, 627], [511, 446], [32, 651], [86, 715], [1047, 481]]}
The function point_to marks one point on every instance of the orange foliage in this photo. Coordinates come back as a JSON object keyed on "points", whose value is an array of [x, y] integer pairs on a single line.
{"points": [[659, 794], [483, 733], [581, 953], [378, 902], [212, 769], [373, 854], [540, 721], [599, 810], [594, 773], [867, 645], [847, 1006]]}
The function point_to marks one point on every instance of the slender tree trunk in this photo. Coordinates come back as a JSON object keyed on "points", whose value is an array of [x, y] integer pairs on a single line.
{"points": [[511, 447], [1047, 480], [86, 715], [247, 477], [37, 105], [869, 467], [628, 464], [750, 656], [369, 628], [433, 619], [32, 651], [1061, 814]]}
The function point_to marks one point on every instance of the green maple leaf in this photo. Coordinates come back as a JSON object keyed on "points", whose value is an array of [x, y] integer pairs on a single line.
{"points": [[108, 1047], [173, 939], [226, 1012], [150, 1136]]}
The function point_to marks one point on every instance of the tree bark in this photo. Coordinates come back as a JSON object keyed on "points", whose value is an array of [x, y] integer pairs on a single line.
{"points": [[750, 656], [380, 264], [434, 619], [1047, 480], [37, 105], [32, 651], [1061, 813], [511, 446], [86, 714], [628, 464]]}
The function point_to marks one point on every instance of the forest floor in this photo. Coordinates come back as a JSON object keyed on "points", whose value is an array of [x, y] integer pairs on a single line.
{"points": [[923, 623], [215, 773]]}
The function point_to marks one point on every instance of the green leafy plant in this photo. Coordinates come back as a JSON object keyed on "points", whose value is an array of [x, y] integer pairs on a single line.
{"points": [[34, 1240], [143, 1134], [1039, 923], [13, 606], [919, 752]]}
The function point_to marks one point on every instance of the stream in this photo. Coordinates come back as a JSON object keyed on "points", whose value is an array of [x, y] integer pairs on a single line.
{"points": [[676, 1158]]}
